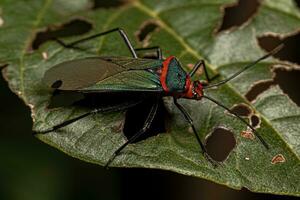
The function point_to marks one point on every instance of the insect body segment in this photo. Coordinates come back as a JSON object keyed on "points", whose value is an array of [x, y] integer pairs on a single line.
{"points": [[175, 81], [194, 90], [173, 77]]}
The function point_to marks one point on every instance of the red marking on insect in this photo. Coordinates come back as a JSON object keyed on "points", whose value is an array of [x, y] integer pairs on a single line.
{"points": [[194, 90], [164, 73], [198, 88], [248, 135], [279, 158], [188, 87]]}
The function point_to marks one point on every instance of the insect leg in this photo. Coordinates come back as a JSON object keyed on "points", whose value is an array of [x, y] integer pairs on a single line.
{"points": [[197, 66], [190, 121], [240, 118], [122, 34], [97, 110], [271, 53], [158, 50], [145, 127]]}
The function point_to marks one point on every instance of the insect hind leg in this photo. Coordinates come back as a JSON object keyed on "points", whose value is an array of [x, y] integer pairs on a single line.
{"points": [[95, 111], [190, 121], [143, 130]]}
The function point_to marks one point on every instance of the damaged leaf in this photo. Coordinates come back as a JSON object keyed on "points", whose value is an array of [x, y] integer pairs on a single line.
{"points": [[186, 30]]}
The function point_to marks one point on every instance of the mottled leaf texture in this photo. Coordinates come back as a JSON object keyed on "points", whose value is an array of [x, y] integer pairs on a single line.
{"points": [[186, 29]]}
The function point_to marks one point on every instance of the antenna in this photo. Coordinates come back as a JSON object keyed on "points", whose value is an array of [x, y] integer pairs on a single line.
{"points": [[275, 50]]}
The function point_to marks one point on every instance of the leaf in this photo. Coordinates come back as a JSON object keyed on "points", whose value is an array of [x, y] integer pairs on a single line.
{"points": [[186, 30]]}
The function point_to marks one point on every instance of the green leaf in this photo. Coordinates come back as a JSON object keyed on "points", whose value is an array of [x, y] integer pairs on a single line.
{"points": [[186, 30]]}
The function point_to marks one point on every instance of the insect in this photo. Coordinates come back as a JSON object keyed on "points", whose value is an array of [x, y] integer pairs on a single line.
{"points": [[155, 77]]}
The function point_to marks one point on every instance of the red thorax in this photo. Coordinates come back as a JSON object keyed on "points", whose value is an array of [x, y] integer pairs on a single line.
{"points": [[164, 73], [193, 89]]}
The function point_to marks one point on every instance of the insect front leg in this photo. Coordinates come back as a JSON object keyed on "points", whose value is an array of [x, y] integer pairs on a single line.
{"points": [[121, 32], [190, 121], [197, 66], [145, 127]]}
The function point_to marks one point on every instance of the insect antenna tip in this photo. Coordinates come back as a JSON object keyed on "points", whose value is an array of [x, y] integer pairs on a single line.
{"points": [[276, 49]]}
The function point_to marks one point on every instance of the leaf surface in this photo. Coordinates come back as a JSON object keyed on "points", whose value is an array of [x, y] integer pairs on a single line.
{"points": [[187, 29]]}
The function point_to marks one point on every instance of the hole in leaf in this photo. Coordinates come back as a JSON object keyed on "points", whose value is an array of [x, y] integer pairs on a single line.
{"points": [[145, 30], [255, 121], [72, 28], [248, 135], [238, 14], [109, 4], [290, 51], [298, 3], [288, 80], [241, 110], [257, 89], [279, 158], [136, 116], [219, 144]]}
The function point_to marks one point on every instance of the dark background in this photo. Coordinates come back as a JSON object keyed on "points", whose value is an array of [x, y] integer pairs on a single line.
{"points": [[30, 169]]}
